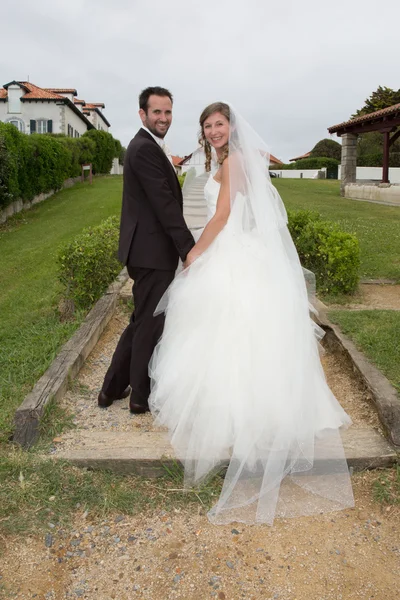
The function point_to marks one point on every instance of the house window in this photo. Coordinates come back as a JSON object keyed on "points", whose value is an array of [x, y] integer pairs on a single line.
{"points": [[77, 134], [18, 123], [42, 126]]}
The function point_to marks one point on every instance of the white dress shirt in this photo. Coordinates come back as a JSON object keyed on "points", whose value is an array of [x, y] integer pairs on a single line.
{"points": [[162, 145]]}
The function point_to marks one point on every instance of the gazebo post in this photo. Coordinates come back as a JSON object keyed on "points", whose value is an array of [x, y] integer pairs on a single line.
{"points": [[386, 145], [349, 160]]}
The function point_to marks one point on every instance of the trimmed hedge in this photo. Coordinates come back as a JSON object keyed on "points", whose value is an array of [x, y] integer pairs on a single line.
{"points": [[88, 264], [35, 164], [316, 163], [332, 254]]}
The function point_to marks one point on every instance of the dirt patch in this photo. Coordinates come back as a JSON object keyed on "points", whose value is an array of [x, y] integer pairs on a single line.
{"points": [[373, 296], [179, 554]]}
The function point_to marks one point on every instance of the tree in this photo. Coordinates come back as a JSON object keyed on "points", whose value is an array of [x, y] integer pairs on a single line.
{"points": [[328, 149], [371, 144], [381, 98]]}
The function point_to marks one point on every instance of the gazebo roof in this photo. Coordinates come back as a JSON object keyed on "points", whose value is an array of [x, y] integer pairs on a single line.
{"points": [[386, 118]]}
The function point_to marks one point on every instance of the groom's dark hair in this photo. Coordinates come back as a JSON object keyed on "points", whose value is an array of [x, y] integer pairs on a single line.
{"points": [[150, 91]]}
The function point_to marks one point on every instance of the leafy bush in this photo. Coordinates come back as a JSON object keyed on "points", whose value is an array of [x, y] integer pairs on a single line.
{"points": [[328, 149], [33, 164], [376, 160], [89, 263], [105, 150], [283, 167], [333, 255], [315, 163]]}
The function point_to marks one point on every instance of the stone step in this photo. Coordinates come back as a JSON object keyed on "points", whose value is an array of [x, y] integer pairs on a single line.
{"points": [[147, 453]]}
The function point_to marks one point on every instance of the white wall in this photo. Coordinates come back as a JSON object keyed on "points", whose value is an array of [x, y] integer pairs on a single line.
{"points": [[44, 110], [75, 121], [116, 168], [34, 110], [196, 160], [375, 174], [299, 173]]}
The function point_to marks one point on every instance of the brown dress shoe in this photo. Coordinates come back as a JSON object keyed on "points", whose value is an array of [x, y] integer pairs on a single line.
{"points": [[105, 401]]}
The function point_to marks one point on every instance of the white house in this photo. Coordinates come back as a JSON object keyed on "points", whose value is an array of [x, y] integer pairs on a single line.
{"points": [[48, 110]]}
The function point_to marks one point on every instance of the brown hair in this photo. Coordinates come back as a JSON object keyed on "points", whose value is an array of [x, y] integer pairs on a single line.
{"points": [[224, 109], [150, 91]]}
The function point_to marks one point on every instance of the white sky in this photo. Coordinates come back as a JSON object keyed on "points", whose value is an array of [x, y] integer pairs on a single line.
{"points": [[291, 68]]}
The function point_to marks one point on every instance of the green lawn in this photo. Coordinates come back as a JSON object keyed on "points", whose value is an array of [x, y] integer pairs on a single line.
{"points": [[30, 332], [376, 333], [377, 227]]}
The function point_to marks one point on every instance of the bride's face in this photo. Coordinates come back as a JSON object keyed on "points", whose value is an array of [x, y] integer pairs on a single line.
{"points": [[216, 130]]}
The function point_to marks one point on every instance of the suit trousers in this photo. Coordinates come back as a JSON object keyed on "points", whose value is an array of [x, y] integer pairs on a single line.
{"points": [[129, 364]]}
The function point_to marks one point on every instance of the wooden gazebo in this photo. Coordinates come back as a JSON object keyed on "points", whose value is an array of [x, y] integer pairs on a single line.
{"points": [[386, 121]]}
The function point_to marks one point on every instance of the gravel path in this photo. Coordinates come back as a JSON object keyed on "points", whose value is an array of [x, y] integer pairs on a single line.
{"points": [[82, 398]]}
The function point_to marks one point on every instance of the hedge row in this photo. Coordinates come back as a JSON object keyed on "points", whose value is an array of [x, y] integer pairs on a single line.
{"points": [[309, 163], [35, 164], [89, 264]]}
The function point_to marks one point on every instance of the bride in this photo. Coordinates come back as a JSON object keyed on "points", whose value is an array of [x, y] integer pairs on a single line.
{"points": [[236, 376]]}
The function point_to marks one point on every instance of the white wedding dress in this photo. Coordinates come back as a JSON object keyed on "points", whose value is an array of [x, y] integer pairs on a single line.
{"points": [[237, 380]]}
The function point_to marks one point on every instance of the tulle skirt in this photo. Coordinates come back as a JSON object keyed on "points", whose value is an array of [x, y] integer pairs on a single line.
{"points": [[237, 380]]}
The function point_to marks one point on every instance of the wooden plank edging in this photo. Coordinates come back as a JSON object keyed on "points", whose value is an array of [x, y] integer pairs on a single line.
{"points": [[382, 392], [68, 362]]}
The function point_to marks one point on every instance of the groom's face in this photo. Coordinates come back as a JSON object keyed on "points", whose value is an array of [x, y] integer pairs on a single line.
{"points": [[158, 117]]}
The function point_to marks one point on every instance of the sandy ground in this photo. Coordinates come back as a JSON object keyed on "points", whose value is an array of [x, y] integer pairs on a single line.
{"points": [[179, 554], [342, 556], [374, 296]]}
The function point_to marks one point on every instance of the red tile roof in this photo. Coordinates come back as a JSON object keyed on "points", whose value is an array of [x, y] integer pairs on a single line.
{"points": [[306, 155], [62, 90], [94, 105], [76, 101], [384, 112], [176, 160], [273, 159]]}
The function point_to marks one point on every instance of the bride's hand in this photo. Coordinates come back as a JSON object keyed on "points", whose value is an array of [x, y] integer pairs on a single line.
{"points": [[191, 257]]}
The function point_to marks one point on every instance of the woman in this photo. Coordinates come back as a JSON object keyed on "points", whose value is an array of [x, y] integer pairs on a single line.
{"points": [[236, 376]]}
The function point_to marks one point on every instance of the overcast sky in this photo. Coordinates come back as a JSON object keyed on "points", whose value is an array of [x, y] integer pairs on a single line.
{"points": [[291, 68]]}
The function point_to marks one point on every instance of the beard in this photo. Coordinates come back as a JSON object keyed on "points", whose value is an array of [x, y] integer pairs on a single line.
{"points": [[156, 132]]}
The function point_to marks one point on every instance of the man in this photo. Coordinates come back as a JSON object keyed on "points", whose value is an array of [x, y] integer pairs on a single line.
{"points": [[153, 235]]}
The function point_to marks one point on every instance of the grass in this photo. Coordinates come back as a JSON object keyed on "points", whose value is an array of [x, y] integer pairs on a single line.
{"points": [[376, 226], [30, 331], [376, 333], [35, 492], [386, 488]]}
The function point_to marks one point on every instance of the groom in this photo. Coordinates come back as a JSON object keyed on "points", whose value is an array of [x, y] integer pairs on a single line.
{"points": [[153, 235]]}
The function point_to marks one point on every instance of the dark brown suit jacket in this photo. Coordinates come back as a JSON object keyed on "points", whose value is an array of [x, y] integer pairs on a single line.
{"points": [[153, 232]]}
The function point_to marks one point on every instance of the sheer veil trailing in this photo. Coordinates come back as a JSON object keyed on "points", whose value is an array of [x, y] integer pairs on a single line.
{"points": [[248, 390]]}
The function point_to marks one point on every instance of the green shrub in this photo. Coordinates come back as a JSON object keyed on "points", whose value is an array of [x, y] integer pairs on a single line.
{"points": [[105, 150], [327, 148], [89, 263], [12, 142], [332, 255], [315, 163], [376, 160], [182, 179]]}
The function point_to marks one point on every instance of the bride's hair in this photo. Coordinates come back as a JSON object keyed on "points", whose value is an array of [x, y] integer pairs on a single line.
{"points": [[224, 109]]}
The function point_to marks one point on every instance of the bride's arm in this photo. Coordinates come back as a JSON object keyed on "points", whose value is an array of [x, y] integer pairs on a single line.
{"points": [[218, 221]]}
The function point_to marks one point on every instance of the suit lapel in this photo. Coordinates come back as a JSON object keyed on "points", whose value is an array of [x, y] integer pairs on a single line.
{"points": [[147, 135]]}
